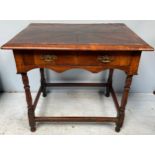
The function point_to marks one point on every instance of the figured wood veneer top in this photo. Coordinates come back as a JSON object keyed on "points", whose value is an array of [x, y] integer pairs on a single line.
{"points": [[110, 37]]}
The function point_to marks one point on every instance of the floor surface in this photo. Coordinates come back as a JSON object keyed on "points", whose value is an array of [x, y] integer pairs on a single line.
{"points": [[140, 113]]}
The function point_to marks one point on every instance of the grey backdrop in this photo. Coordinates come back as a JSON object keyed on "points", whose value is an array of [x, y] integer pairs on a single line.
{"points": [[143, 83]]}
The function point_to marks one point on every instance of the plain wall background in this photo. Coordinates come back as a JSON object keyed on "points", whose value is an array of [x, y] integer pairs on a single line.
{"points": [[143, 83]]}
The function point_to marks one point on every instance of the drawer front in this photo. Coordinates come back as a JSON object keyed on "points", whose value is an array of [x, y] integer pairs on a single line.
{"points": [[60, 61], [102, 59], [77, 59], [53, 58]]}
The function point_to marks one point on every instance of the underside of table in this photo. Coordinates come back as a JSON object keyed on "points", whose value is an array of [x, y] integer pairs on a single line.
{"points": [[109, 90]]}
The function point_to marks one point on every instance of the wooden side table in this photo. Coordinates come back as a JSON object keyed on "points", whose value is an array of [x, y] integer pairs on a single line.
{"points": [[93, 47]]}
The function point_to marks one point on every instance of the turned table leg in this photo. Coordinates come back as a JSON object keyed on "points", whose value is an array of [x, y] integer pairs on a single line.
{"points": [[109, 83], [43, 82], [121, 112], [31, 115]]}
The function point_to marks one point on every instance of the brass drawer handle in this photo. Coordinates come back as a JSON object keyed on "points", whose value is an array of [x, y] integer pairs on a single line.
{"points": [[49, 58], [105, 59]]}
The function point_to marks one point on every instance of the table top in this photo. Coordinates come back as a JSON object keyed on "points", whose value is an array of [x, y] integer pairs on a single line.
{"points": [[110, 37]]}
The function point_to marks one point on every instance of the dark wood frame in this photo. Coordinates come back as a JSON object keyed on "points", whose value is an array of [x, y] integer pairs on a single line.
{"points": [[109, 90]]}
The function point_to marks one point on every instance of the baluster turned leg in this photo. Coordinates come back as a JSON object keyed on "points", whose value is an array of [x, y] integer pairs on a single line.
{"points": [[43, 82], [121, 113], [31, 115], [108, 88]]}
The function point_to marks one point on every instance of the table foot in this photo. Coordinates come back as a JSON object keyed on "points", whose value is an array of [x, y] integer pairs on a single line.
{"points": [[117, 129], [33, 129], [107, 94], [44, 94]]}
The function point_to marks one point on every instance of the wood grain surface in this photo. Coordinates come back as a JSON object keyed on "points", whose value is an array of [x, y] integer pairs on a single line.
{"points": [[78, 37]]}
